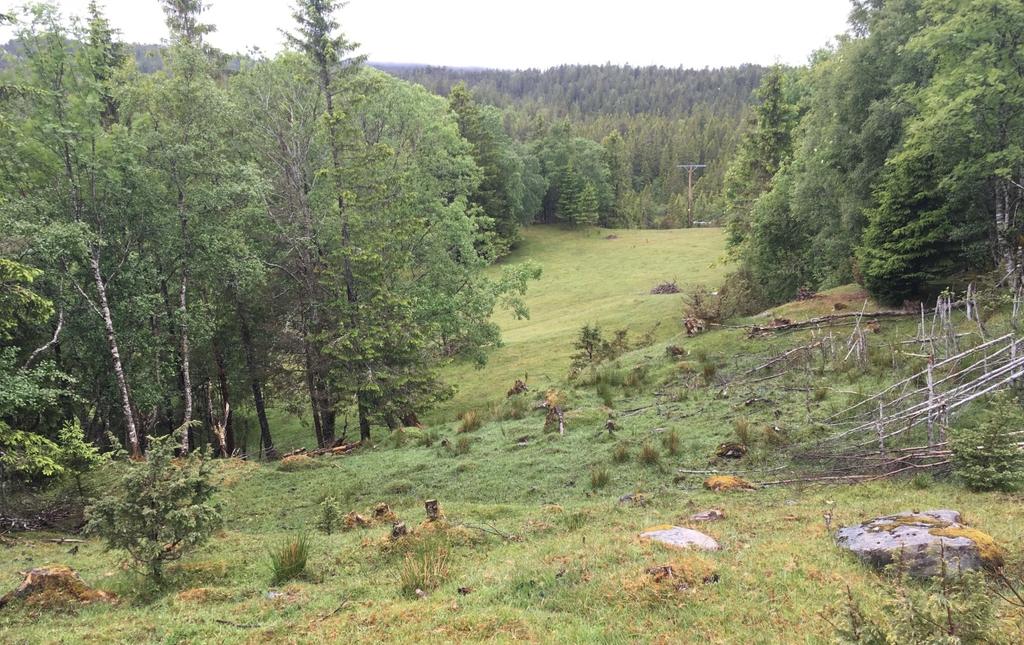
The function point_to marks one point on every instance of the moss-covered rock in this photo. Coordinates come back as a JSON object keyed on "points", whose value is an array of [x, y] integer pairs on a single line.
{"points": [[924, 544]]}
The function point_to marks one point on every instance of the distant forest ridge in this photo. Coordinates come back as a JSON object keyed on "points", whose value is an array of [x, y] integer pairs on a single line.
{"points": [[589, 90], [565, 90]]}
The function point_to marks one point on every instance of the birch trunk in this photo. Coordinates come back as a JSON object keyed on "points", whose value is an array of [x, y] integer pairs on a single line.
{"points": [[115, 355]]}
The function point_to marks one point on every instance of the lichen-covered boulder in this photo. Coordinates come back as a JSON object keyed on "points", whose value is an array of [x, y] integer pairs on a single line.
{"points": [[921, 542], [54, 586], [680, 538]]}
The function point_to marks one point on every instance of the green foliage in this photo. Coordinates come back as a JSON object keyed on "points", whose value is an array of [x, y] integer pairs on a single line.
{"points": [[159, 509], [462, 446], [330, 516], [949, 609], [288, 560], [599, 477], [985, 451]]}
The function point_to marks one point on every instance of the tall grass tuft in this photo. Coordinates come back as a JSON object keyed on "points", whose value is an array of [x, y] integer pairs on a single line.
{"points": [[599, 477], [671, 443], [425, 570], [288, 561], [621, 454], [649, 455], [471, 422]]}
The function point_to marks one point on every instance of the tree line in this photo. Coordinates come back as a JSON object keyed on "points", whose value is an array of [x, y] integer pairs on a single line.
{"points": [[184, 245], [894, 159]]}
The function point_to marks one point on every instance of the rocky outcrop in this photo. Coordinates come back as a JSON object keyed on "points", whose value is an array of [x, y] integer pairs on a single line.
{"points": [[924, 543]]}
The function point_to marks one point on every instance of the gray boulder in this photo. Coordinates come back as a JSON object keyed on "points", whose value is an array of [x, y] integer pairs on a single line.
{"points": [[680, 538], [920, 542]]}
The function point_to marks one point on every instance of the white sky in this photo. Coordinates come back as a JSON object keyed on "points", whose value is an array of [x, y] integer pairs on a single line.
{"points": [[523, 33]]}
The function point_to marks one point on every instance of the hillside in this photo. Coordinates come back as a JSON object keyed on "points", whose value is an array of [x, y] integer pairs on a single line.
{"points": [[540, 541], [599, 277]]}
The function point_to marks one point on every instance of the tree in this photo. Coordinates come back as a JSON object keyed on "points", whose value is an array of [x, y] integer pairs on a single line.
{"points": [[161, 509]]}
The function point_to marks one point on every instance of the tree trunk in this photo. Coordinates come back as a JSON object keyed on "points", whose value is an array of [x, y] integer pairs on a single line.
{"points": [[266, 441], [186, 377], [225, 399], [364, 420], [314, 395], [115, 355]]}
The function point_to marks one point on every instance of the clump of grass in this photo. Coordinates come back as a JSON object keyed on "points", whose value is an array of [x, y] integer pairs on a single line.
{"points": [[294, 463], [636, 376], [741, 428], [621, 453], [671, 443], [400, 487], [575, 521], [426, 439], [462, 445], [471, 422], [922, 481], [820, 394], [514, 407], [649, 455], [288, 561], [425, 570], [708, 371], [606, 393], [599, 477]]}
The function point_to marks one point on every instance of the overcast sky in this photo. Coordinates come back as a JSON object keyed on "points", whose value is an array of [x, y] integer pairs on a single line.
{"points": [[524, 33]]}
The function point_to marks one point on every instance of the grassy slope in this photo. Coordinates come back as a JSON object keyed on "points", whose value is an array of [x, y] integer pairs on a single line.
{"points": [[588, 279], [578, 573]]}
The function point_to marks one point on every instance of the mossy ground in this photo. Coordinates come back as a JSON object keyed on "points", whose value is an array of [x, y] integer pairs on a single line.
{"points": [[530, 550]]}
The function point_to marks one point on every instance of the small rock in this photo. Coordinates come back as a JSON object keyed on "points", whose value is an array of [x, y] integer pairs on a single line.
{"points": [[920, 542], [680, 538], [710, 515]]}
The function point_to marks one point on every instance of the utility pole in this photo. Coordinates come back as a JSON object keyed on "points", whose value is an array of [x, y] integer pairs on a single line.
{"points": [[690, 167]]}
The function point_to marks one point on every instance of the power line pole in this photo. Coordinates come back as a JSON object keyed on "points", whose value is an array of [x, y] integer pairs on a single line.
{"points": [[690, 168]]}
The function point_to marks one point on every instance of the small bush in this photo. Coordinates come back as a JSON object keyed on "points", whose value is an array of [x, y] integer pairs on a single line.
{"points": [[621, 453], [288, 561], [425, 570], [649, 455], [671, 443], [704, 304], [470, 422], [330, 515], [161, 508], [599, 477], [462, 445], [985, 453]]}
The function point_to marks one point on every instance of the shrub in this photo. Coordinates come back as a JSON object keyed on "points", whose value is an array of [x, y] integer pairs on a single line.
{"points": [[471, 422], [330, 515], [425, 570], [985, 453], [671, 442], [160, 509], [288, 561], [649, 455], [704, 304], [599, 477], [621, 454], [948, 609]]}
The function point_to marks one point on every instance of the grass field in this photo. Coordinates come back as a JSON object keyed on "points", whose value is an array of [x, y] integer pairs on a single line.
{"points": [[537, 544], [588, 278]]}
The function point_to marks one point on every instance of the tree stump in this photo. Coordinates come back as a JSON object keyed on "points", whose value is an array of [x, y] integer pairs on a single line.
{"points": [[399, 530], [54, 585], [433, 509]]}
